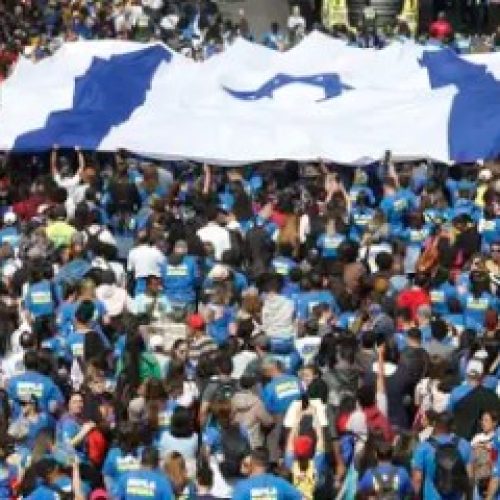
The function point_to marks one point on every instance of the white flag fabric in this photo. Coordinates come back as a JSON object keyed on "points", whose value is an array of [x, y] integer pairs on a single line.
{"points": [[320, 100]]}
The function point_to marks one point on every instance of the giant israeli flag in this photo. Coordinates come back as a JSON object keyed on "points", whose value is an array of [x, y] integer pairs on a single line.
{"points": [[321, 99]]}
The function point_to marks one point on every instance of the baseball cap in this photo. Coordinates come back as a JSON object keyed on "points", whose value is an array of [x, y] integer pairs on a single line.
{"points": [[9, 217], [155, 342], [195, 321], [303, 447], [474, 368]]}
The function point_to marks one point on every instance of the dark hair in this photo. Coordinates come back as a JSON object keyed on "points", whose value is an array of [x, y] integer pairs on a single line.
{"points": [[384, 261], [150, 457], [127, 436], [181, 423], [439, 329], [366, 396], [31, 360], [415, 334], [224, 365], [260, 455], [384, 451], [204, 474], [85, 311]]}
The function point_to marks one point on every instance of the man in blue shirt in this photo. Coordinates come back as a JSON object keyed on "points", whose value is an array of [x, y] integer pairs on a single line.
{"points": [[425, 468], [34, 384], [260, 484], [181, 276], [281, 390], [146, 483], [386, 477]]}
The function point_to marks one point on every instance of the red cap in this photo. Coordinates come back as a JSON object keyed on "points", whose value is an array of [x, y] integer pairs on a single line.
{"points": [[195, 321], [303, 447]]}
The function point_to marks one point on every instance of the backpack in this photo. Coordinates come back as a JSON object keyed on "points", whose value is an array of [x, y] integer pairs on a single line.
{"points": [[450, 475], [235, 448], [305, 481], [386, 485]]}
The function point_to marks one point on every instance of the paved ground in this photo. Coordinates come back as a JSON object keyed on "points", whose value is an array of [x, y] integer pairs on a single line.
{"points": [[260, 13]]}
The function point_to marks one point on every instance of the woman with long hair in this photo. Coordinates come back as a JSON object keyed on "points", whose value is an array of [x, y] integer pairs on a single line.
{"points": [[124, 456], [176, 470]]}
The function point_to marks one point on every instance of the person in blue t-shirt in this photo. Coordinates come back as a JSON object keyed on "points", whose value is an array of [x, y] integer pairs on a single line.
{"points": [[181, 276], [147, 482], [386, 477], [361, 215], [442, 291], [360, 188], [122, 458], [39, 300], [394, 204], [424, 463], [478, 300], [284, 263], [311, 296], [34, 384], [71, 430], [281, 390], [261, 484], [10, 233], [489, 226], [329, 242]]}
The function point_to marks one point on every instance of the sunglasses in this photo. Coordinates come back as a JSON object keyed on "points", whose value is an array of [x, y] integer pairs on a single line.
{"points": [[495, 249]]}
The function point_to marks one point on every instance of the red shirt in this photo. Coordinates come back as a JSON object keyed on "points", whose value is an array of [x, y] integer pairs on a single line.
{"points": [[440, 29], [413, 299]]}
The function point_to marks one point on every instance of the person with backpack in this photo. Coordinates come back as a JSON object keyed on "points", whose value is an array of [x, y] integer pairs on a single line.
{"points": [[442, 465], [226, 440], [220, 388], [305, 451], [385, 480]]}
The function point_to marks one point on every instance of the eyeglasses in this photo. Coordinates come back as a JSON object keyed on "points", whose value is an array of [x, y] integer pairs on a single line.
{"points": [[495, 249]]}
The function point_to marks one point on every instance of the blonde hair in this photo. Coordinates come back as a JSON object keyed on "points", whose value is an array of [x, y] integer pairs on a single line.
{"points": [[175, 468]]}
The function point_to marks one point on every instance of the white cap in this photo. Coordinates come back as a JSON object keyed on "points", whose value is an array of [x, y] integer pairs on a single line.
{"points": [[156, 341], [485, 174], [9, 217], [474, 368]]}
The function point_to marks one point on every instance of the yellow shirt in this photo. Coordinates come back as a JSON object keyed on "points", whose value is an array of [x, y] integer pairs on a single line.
{"points": [[60, 233]]}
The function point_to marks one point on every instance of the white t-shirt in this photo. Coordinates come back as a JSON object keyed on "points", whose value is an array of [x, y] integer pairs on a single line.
{"points": [[145, 260], [240, 363], [218, 236]]}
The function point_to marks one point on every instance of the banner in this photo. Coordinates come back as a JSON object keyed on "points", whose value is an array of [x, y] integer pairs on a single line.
{"points": [[322, 99]]}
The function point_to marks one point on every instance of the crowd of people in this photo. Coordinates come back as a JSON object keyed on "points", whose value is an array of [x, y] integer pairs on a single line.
{"points": [[277, 331], [36, 29]]}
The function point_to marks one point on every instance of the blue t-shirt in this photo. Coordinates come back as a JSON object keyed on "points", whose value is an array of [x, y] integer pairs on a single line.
{"points": [[265, 486], [441, 295], [179, 281], [306, 301], [283, 265], [39, 300], [360, 218], [11, 236], [7, 475], [35, 384], [423, 461], [489, 229], [402, 482], [328, 245], [116, 464], [66, 429], [144, 485], [475, 308], [280, 392], [75, 345]]}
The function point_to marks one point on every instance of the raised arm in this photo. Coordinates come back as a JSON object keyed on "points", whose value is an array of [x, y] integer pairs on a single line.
{"points": [[207, 178], [53, 160]]}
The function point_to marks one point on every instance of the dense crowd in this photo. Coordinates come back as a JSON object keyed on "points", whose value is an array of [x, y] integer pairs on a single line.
{"points": [[37, 28], [275, 332]]}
